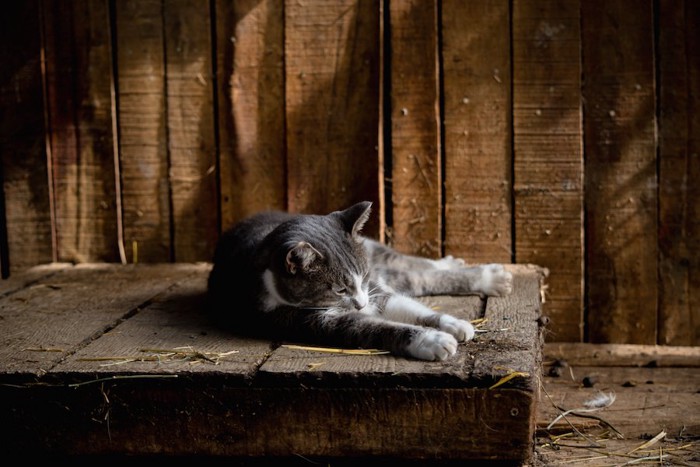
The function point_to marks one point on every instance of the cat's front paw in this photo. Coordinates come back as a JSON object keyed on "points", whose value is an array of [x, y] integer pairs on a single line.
{"points": [[494, 280], [460, 329], [431, 344]]}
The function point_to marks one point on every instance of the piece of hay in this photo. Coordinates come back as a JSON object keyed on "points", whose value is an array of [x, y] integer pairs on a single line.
{"points": [[479, 322], [509, 376], [651, 442], [338, 351], [177, 354], [120, 377], [42, 349]]}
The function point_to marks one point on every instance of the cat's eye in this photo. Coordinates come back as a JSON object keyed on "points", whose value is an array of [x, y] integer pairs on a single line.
{"points": [[341, 291]]}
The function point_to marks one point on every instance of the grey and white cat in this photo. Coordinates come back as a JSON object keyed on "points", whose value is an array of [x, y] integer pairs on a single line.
{"points": [[314, 279]]}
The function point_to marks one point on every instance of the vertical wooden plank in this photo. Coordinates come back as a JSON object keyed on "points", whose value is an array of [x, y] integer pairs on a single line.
{"points": [[190, 121], [4, 247], [332, 96], [79, 80], [478, 156], [693, 214], [621, 179], [548, 152], [22, 143], [142, 130], [415, 128], [679, 195], [60, 102], [251, 117]]}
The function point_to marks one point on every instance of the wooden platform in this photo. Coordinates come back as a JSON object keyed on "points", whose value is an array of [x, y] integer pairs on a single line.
{"points": [[100, 360]]}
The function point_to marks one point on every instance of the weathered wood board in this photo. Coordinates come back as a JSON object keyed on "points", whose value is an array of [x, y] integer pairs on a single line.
{"points": [[621, 180], [110, 359], [548, 155], [332, 105], [79, 94], [25, 191], [51, 318], [251, 108], [143, 137], [478, 162], [649, 400], [623, 354], [679, 235], [191, 134], [29, 276], [416, 176]]}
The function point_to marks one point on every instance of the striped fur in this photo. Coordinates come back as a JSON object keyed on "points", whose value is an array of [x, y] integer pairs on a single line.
{"points": [[315, 279]]}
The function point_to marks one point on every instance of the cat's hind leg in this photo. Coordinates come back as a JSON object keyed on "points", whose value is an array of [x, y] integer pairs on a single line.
{"points": [[483, 280], [417, 276], [384, 256]]}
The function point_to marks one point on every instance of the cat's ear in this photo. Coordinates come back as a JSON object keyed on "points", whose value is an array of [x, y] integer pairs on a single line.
{"points": [[301, 257], [355, 217]]}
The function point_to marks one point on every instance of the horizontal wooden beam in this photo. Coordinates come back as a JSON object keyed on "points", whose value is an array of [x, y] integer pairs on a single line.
{"points": [[622, 354]]}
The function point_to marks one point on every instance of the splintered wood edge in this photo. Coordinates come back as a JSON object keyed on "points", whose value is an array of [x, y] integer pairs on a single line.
{"points": [[525, 268], [517, 349]]}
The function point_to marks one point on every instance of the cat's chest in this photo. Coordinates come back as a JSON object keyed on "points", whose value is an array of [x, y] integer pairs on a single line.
{"points": [[270, 297]]}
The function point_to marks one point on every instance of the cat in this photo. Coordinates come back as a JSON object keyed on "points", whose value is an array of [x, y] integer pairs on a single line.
{"points": [[315, 279]]}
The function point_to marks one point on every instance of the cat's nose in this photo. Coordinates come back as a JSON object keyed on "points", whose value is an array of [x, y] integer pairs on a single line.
{"points": [[359, 303]]}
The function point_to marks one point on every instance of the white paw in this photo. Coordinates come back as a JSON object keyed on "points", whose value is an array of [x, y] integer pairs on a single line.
{"points": [[460, 329], [448, 262], [494, 280], [432, 344]]}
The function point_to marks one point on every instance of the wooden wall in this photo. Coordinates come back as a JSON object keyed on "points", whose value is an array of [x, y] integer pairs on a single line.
{"points": [[557, 132]]}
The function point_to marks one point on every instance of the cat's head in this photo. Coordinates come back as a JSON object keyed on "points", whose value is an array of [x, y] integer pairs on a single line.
{"points": [[320, 261]]}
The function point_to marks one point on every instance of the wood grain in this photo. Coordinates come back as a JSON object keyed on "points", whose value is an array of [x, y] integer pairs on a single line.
{"points": [[191, 133], [511, 335], [679, 235], [476, 53], [143, 134], [648, 400], [75, 306], [26, 193], [79, 97], [621, 178], [293, 113], [310, 366], [26, 277], [175, 321], [415, 129], [623, 354], [548, 155], [261, 402], [251, 108], [332, 105], [173, 417]]}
